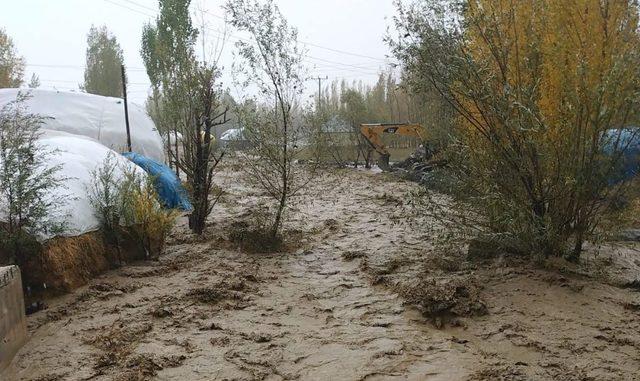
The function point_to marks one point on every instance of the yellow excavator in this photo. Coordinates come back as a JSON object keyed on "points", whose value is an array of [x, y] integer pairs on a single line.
{"points": [[373, 134]]}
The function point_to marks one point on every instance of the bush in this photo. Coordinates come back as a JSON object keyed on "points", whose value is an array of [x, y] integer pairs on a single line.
{"points": [[255, 235], [105, 198], [542, 120], [26, 183], [127, 206], [150, 222], [443, 299]]}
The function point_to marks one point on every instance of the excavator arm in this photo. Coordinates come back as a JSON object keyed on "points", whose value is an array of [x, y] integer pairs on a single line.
{"points": [[373, 134]]}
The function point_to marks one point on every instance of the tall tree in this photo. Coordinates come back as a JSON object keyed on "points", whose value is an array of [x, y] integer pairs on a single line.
{"points": [[542, 91], [102, 74], [187, 100], [272, 62], [168, 55], [354, 112], [11, 64]]}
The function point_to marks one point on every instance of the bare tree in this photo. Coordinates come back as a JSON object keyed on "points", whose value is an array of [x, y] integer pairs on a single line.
{"points": [[272, 62], [199, 159]]}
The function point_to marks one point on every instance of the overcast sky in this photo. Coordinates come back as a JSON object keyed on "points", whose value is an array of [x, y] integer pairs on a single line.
{"points": [[51, 35]]}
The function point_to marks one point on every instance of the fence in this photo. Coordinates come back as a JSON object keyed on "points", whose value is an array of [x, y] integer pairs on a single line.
{"points": [[13, 326]]}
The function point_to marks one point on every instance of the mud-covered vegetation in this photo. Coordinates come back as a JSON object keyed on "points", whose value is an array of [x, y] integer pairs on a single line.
{"points": [[505, 246], [361, 295]]}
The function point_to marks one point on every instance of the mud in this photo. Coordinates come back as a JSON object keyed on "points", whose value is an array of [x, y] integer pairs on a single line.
{"points": [[358, 294]]}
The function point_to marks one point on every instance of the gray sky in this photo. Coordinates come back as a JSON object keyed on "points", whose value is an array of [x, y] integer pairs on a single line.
{"points": [[51, 35]]}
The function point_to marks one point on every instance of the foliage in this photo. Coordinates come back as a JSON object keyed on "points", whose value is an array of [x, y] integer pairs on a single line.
{"points": [[125, 202], [187, 101], [103, 75], [26, 182], [34, 82], [11, 64], [106, 198], [535, 86], [272, 62], [389, 100], [168, 53], [354, 111], [145, 215], [199, 160], [167, 45]]}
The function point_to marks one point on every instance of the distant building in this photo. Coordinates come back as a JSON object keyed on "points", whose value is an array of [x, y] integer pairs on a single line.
{"points": [[234, 139]]}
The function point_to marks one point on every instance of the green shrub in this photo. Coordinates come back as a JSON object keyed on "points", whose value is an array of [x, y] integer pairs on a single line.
{"points": [[127, 207], [26, 182]]}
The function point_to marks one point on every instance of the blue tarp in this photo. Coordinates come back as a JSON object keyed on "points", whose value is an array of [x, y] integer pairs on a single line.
{"points": [[168, 186]]}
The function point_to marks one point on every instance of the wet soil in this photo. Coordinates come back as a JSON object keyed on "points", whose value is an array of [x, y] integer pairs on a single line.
{"points": [[351, 297]]}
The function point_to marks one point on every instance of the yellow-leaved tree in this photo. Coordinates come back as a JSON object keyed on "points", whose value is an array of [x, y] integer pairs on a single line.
{"points": [[547, 96]]}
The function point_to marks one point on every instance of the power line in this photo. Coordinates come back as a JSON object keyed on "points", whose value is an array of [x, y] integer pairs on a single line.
{"points": [[332, 62], [140, 5], [78, 90], [346, 66], [364, 65], [301, 41], [246, 40], [62, 66], [320, 79], [68, 81], [124, 6], [305, 42]]}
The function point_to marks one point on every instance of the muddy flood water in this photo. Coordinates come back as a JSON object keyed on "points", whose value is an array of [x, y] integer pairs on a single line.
{"points": [[344, 302]]}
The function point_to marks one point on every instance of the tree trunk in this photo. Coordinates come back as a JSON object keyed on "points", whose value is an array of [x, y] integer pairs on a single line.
{"points": [[169, 156], [574, 256], [175, 143], [276, 225]]}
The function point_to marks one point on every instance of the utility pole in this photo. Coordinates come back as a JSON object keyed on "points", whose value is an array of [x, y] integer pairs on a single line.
{"points": [[320, 90], [126, 108]]}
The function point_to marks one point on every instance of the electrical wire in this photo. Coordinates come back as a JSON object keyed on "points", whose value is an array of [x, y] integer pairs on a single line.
{"points": [[237, 38], [300, 41]]}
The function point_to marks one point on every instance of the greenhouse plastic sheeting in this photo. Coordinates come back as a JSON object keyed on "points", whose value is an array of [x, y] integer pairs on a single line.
{"points": [[167, 184], [78, 157], [94, 116]]}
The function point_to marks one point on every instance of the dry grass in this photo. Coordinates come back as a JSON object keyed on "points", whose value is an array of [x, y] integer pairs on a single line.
{"points": [[69, 262], [65, 263]]}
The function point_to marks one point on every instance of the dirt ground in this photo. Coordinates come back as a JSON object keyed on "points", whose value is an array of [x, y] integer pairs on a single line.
{"points": [[346, 302]]}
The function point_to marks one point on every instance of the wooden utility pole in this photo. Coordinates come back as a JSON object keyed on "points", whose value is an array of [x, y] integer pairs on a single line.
{"points": [[320, 91], [126, 108]]}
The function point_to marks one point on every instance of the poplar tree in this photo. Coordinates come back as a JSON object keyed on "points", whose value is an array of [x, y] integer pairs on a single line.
{"points": [[102, 75], [11, 64], [187, 100]]}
